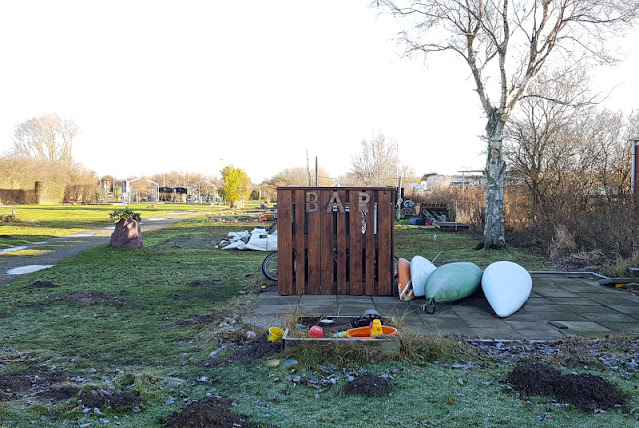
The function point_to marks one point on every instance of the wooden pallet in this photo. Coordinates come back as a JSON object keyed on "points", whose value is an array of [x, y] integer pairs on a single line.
{"points": [[335, 240]]}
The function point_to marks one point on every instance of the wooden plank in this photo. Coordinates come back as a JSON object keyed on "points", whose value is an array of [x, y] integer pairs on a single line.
{"points": [[328, 285], [300, 242], [369, 238], [381, 346], [314, 245], [341, 247], [284, 243], [384, 244], [356, 247]]}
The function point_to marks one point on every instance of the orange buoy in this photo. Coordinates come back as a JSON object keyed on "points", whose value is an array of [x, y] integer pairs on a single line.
{"points": [[404, 283]]}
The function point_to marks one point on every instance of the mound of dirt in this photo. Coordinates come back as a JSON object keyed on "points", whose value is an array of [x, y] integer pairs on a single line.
{"points": [[247, 354], [60, 392], [534, 379], [42, 284], [16, 384], [211, 412], [587, 392], [93, 399], [369, 385]]}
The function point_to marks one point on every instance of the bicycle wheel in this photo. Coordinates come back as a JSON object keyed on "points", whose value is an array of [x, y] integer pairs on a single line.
{"points": [[269, 266]]}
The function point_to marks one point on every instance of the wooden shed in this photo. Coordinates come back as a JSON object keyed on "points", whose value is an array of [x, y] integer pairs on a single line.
{"points": [[335, 240]]}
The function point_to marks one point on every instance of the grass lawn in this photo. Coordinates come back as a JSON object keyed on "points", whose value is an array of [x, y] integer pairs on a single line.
{"points": [[142, 322], [41, 222]]}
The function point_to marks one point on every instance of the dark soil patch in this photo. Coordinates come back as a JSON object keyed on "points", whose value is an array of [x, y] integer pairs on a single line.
{"points": [[210, 284], [247, 354], [197, 242], [4, 315], [369, 385], [16, 384], [42, 284], [534, 379], [124, 400], [60, 392], [193, 319], [85, 298], [210, 412], [92, 297], [197, 319], [587, 392]]}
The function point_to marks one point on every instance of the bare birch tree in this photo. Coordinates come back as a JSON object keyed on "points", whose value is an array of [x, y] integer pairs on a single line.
{"points": [[298, 176], [510, 41], [47, 138], [377, 164], [540, 138]]}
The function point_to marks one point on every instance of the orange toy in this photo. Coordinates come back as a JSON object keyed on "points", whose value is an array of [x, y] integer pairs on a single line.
{"points": [[373, 330], [404, 283]]}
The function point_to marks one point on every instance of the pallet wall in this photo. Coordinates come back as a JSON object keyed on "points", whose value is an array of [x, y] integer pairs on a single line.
{"points": [[335, 240]]}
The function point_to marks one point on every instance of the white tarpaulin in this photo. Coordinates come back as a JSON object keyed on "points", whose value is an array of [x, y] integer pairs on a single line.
{"points": [[258, 240]]}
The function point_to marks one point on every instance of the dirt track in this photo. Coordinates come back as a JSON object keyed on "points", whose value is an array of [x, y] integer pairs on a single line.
{"points": [[68, 246]]}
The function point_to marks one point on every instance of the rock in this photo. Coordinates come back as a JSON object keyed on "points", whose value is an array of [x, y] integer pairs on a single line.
{"points": [[127, 234], [273, 363]]}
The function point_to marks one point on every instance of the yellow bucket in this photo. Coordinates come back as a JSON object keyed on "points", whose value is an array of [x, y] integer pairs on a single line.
{"points": [[275, 334]]}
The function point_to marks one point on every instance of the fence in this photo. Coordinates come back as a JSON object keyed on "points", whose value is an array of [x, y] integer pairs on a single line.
{"points": [[335, 240]]}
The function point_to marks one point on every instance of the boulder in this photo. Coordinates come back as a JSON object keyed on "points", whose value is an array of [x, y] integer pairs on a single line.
{"points": [[127, 234]]}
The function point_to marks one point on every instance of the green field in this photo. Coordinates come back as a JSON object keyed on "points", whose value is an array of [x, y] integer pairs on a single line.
{"points": [[41, 222], [135, 322]]}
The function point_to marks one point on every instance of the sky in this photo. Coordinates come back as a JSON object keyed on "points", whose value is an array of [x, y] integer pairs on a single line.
{"points": [[156, 86]]}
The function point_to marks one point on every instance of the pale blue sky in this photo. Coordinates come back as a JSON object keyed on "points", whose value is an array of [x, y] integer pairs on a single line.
{"points": [[157, 86]]}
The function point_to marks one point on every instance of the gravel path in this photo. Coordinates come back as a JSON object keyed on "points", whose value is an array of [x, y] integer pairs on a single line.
{"points": [[60, 248]]}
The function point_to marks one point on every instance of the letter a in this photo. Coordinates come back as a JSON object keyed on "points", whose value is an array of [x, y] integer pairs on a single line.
{"points": [[335, 203]]}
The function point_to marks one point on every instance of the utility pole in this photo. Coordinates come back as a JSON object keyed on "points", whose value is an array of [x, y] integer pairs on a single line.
{"points": [[308, 170]]}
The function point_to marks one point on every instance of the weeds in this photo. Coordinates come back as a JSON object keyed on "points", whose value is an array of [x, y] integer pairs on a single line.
{"points": [[619, 267]]}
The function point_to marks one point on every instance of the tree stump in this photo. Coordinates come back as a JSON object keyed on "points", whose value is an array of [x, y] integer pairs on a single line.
{"points": [[127, 234]]}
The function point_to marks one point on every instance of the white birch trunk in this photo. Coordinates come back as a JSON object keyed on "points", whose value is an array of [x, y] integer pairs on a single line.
{"points": [[494, 230]]}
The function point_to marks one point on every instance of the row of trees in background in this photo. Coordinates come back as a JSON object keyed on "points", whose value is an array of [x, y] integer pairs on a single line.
{"points": [[47, 138], [568, 183], [571, 163], [42, 152], [560, 143], [377, 164]]}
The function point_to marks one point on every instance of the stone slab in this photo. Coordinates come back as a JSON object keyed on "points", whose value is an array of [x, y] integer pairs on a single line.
{"points": [[318, 300], [583, 328], [368, 300], [280, 300]]}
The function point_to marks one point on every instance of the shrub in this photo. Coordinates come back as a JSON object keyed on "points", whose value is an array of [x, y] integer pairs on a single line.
{"points": [[123, 214]]}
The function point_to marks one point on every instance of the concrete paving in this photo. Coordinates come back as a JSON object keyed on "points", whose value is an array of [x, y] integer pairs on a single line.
{"points": [[561, 305]]}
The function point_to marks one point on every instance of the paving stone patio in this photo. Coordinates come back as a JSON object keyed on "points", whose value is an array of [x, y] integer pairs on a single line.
{"points": [[561, 305]]}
